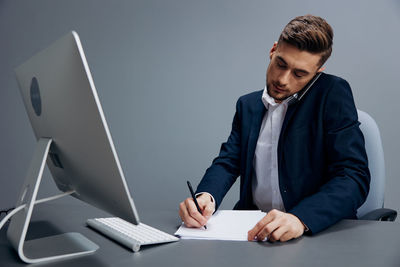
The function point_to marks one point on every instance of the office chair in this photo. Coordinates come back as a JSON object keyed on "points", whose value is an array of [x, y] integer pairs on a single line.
{"points": [[373, 209]]}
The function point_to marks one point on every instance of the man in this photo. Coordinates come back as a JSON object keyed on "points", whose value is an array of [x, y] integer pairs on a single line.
{"points": [[296, 145]]}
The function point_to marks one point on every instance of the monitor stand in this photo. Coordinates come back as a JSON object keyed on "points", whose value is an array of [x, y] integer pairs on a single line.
{"points": [[45, 249]]}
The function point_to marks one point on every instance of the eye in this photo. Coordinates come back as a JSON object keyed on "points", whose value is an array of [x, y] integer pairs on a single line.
{"points": [[299, 74], [280, 65]]}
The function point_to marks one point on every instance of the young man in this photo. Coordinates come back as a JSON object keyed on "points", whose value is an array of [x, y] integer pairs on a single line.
{"points": [[296, 145]]}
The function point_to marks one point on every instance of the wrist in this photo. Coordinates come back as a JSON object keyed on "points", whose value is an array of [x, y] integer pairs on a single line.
{"points": [[200, 194], [305, 227]]}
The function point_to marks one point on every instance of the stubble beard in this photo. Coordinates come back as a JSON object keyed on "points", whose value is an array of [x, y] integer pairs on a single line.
{"points": [[274, 95]]}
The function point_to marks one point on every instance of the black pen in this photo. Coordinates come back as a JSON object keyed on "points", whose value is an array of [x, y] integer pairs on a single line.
{"points": [[194, 199]]}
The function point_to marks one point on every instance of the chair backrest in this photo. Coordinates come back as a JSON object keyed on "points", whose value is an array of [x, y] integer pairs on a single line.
{"points": [[376, 163]]}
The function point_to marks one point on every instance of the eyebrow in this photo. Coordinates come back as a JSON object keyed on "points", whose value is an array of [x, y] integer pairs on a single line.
{"points": [[297, 70]]}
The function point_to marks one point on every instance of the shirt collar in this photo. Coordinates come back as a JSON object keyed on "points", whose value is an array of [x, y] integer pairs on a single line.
{"points": [[268, 100]]}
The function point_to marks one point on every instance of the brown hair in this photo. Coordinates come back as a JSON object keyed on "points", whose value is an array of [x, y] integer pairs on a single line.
{"points": [[309, 33]]}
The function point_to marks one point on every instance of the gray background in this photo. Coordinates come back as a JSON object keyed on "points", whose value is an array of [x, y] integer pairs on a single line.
{"points": [[168, 74]]}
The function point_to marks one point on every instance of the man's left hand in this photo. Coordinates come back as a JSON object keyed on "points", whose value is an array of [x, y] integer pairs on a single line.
{"points": [[277, 225]]}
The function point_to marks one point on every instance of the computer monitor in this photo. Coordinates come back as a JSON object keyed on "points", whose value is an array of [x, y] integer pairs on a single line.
{"points": [[72, 133]]}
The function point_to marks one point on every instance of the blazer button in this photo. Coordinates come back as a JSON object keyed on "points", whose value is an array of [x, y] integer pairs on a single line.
{"points": [[284, 191]]}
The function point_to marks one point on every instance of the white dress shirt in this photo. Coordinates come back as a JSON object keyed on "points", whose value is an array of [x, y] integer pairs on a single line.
{"points": [[265, 182]]}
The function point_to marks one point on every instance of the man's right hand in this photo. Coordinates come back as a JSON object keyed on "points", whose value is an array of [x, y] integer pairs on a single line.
{"points": [[191, 216]]}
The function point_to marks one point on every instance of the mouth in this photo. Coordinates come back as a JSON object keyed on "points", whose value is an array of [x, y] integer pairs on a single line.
{"points": [[278, 89]]}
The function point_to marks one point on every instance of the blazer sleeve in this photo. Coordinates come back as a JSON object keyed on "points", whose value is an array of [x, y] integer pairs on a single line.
{"points": [[225, 168], [347, 172]]}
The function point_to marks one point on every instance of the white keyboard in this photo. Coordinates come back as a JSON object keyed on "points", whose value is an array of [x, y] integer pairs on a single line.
{"points": [[128, 234]]}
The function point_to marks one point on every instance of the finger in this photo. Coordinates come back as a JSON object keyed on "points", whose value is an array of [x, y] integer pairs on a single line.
{"points": [[278, 233], [287, 236], [268, 229], [251, 235], [271, 215], [186, 218], [193, 212]]}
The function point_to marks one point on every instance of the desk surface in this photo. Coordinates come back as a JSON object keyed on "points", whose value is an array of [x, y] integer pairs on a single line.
{"points": [[348, 243]]}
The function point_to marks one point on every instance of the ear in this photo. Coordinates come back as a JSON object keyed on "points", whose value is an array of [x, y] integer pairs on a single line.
{"points": [[273, 49], [321, 69]]}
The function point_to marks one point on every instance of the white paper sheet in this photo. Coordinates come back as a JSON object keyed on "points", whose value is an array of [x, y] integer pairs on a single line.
{"points": [[224, 225]]}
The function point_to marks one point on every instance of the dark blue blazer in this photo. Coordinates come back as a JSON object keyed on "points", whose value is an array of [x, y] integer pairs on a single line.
{"points": [[322, 163]]}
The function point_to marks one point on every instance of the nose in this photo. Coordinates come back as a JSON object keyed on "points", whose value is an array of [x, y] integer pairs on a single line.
{"points": [[283, 78]]}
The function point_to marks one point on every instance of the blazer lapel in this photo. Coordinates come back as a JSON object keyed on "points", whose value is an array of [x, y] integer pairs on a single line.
{"points": [[289, 114]]}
